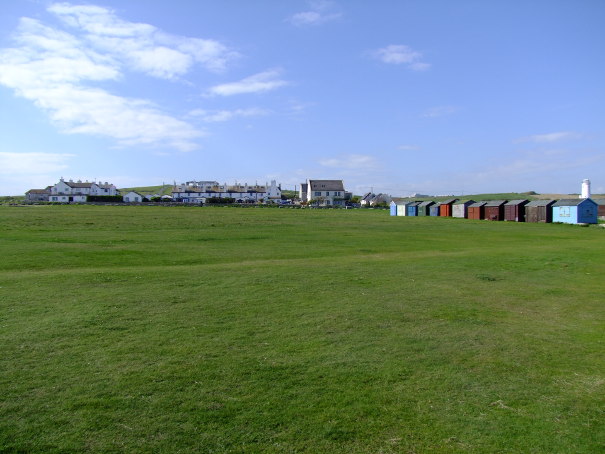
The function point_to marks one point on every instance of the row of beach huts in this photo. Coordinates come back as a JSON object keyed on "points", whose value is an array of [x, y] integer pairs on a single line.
{"points": [[569, 211]]}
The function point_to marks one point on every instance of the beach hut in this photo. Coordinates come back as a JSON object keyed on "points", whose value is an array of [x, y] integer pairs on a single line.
{"points": [[601, 207], [575, 211], [476, 210], [398, 206], [460, 209], [539, 211], [445, 207], [434, 210], [424, 208], [412, 209], [494, 210], [515, 210]]}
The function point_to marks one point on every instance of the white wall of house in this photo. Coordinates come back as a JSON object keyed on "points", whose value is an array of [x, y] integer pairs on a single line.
{"points": [[133, 197]]}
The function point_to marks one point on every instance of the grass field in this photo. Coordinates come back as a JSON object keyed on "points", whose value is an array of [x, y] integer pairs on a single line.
{"points": [[243, 330]]}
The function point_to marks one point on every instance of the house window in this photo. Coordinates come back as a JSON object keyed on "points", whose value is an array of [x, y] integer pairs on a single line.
{"points": [[327, 193], [317, 193]]}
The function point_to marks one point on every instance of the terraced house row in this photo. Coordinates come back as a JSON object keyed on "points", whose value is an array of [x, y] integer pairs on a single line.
{"points": [[569, 211]]}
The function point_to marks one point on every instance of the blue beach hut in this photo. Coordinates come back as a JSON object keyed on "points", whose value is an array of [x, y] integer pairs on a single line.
{"points": [[575, 211], [412, 209]]}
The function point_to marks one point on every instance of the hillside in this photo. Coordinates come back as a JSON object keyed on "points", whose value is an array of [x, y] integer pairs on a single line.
{"points": [[147, 190]]}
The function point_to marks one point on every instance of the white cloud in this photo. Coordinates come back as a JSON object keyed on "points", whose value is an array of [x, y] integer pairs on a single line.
{"points": [[439, 111], [55, 69], [257, 83], [32, 163], [226, 115], [351, 162], [320, 13], [399, 54], [142, 47], [551, 137]]}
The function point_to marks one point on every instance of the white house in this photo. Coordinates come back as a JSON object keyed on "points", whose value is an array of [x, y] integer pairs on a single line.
{"points": [[70, 191], [199, 191], [133, 197], [323, 192]]}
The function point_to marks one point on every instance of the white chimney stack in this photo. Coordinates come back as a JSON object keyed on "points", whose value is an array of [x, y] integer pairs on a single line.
{"points": [[585, 189]]}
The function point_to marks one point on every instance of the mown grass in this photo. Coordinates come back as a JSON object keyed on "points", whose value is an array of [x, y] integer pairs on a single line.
{"points": [[155, 329]]}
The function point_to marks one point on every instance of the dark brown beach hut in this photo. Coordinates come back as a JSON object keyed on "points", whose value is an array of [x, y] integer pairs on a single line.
{"points": [[515, 210], [601, 207], [445, 209], [539, 211], [476, 210], [494, 210]]}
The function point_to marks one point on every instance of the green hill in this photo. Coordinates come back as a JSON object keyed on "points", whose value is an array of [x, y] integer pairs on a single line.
{"points": [[165, 189]]}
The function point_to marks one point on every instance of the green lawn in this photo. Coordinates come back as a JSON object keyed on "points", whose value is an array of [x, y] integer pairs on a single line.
{"points": [[243, 330]]}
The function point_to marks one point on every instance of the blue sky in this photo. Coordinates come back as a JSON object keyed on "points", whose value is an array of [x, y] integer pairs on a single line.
{"points": [[437, 97]]}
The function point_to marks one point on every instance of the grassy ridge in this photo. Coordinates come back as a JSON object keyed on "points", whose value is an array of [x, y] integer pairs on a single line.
{"points": [[150, 329]]}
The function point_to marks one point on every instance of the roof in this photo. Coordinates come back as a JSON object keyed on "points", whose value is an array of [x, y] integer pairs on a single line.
{"points": [[571, 202], [517, 202], [540, 203], [464, 202], [448, 201], [426, 203], [326, 185], [495, 203], [477, 204], [599, 201], [38, 191], [414, 204], [71, 184]]}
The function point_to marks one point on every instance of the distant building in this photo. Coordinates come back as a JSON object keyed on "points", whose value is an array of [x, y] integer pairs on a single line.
{"points": [[324, 192], [575, 211], [199, 191], [134, 197], [37, 195], [70, 191], [539, 211]]}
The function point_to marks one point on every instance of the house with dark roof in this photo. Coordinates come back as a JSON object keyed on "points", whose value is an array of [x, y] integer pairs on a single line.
{"points": [[514, 210], [476, 210], [539, 211], [77, 191], [424, 208], [494, 210], [323, 192], [575, 211], [37, 195]]}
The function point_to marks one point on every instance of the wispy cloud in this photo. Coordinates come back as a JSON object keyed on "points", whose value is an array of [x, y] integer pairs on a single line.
{"points": [[319, 13], [439, 111], [408, 147], [57, 69], [33, 163], [351, 162], [550, 137], [257, 83], [399, 54], [226, 115]]}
